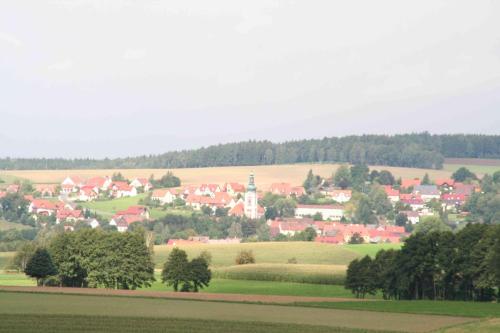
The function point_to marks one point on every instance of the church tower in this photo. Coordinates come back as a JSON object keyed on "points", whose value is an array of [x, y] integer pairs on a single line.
{"points": [[251, 205]]}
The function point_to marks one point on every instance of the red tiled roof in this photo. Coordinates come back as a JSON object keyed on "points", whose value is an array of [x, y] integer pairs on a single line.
{"points": [[405, 183]]}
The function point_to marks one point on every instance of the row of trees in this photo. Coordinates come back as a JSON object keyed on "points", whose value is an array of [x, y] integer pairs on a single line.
{"points": [[408, 150], [434, 265], [91, 258]]}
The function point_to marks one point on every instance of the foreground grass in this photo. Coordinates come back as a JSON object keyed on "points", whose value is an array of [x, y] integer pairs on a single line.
{"points": [[73, 323], [319, 274], [29, 305], [449, 308]]}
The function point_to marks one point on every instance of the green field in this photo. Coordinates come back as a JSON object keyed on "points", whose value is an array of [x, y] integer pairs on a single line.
{"points": [[450, 308], [110, 207], [225, 286], [16, 279], [270, 252], [6, 225], [371, 249], [26, 310]]}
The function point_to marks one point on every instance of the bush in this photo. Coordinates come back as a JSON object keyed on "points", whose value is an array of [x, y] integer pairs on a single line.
{"points": [[245, 257]]}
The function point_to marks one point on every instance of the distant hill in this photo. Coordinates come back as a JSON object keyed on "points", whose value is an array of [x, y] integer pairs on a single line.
{"points": [[421, 150]]}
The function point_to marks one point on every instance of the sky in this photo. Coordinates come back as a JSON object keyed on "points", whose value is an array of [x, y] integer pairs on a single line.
{"points": [[104, 78]]}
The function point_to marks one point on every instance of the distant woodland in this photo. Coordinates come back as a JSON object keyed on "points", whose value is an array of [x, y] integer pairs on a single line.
{"points": [[421, 150]]}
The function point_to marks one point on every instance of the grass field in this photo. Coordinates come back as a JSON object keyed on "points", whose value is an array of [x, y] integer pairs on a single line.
{"points": [[225, 286], [319, 274], [265, 174], [5, 258], [268, 252], [110, 207], [29, 304], [5, 225], [449, 308]]}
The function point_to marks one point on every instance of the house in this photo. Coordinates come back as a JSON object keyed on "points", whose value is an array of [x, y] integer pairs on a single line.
{"points": [[71, 184], [287, 189], [93, 223], [407, 183], [122, 222], [13, 188], [392, 194], [87, 193], [46, 190], [100, 183], [234, 188], [164, 196], [465, 189], [413, 200], [122, 189], [328, 212], [67, 215], [445, 184], [219, 200], [208, 189], [141, 183], [412, 216], [340, 196], [239, 210], [43, 207], [141, 211], [427, 192], [452, 200]]}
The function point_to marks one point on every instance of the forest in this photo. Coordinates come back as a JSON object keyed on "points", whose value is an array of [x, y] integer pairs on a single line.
{"points": [[422, 150]]}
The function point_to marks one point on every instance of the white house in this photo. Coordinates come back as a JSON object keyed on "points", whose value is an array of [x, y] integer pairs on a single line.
{"points": [[164, 196], [141, 182], [122, 189], [328, 212]]}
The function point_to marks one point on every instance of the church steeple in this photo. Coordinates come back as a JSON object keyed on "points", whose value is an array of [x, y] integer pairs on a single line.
{"points": [[251, 183]]}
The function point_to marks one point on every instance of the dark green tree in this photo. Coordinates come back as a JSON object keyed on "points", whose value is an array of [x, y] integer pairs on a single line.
{"points": [[175, 270], [40, 266]]}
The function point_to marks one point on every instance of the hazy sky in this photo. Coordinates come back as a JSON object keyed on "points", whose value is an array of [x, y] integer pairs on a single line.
{"points": [[117, 78]]}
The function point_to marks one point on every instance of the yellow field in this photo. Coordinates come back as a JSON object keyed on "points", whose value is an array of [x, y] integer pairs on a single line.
{"points": [[265, 174]]}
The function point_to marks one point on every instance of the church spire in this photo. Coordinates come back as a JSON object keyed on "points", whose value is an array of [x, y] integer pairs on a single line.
{"points": [[251, 183]]}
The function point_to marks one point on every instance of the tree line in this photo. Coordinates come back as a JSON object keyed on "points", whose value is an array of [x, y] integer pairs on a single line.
{"points": [[438, 265], [421, 150]]}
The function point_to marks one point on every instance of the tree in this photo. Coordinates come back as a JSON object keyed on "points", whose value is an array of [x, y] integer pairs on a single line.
{"points": [[40, 266], [245, 257], [359, 175], [364, 213], [430, 224], [175, 270], [385, 178], [167, 180], [463, 174], [426, 180], [118, 177], [401, 220], [23, 255], [285, 207], [342, 177], [199, 274], [311, 182], [235, 231], [379, 201], [359, 277], [356, 239]]}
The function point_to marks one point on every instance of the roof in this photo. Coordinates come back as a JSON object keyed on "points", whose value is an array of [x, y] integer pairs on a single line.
{"points": [[121, 186], [236, 187], [45, 204], [96, 181], [405, 183], [445, 181], [133, 210], [160, 193], [66, 213], [426, 189], [287, 189], [337, 193], [391, 192]]}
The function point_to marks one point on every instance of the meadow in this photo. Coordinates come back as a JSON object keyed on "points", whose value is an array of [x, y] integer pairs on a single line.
{"points": [[6, 225], [36, 305], [273, 252]]}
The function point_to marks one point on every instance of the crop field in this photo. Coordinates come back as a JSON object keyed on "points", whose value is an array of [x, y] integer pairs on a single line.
{"points": [[320, 274], [265, 174], [34, 305], [269, 252]]}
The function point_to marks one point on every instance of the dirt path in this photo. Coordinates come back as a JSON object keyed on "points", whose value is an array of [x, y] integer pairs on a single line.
{"points": [[174, 295]]}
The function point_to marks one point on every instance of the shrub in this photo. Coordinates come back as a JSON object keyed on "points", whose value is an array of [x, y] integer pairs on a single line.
{"points": [[245, 257]]}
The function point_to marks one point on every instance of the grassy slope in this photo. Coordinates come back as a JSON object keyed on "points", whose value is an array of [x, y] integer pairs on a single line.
{"points": [[371, 249], [477, 169], [452, 308], [110, 207]]}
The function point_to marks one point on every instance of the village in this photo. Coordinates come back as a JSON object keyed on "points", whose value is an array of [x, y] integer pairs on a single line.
{"points": [[332, 220]]}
